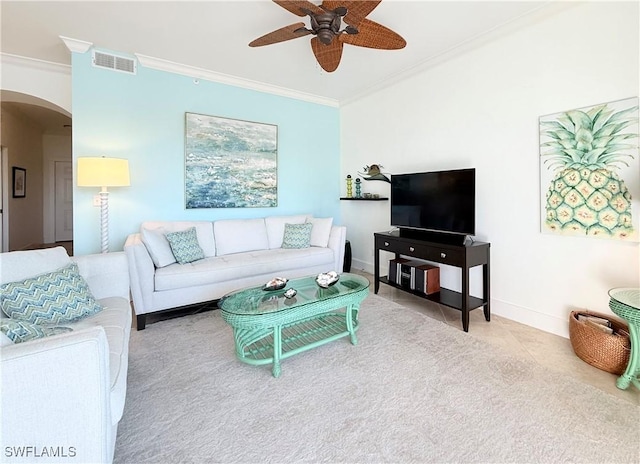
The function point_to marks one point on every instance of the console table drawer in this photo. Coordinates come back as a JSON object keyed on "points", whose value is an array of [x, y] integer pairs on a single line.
{"points": [[446, 256], [402, 248]]}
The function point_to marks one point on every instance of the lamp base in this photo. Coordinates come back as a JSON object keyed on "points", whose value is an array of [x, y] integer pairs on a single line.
{"points": [[104, 221]]}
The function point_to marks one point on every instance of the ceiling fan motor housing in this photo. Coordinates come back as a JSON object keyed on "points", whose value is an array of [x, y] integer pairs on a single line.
{"points": [[326, 26]]}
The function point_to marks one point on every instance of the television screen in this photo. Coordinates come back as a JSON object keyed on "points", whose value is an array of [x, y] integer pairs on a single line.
{"points": [[442, 201]]}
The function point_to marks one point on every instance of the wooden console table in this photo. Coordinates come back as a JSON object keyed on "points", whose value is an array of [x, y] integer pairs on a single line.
{"points": [[462, 256]]}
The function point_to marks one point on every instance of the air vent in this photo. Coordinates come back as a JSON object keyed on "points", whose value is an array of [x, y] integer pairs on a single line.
{"points": [[113, 62]]}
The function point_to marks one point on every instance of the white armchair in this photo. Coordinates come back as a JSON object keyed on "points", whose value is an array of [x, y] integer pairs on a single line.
{"points": [[63, 396]]}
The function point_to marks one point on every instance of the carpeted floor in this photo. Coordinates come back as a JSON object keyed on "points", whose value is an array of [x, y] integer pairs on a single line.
{"points": [[412, 390]]}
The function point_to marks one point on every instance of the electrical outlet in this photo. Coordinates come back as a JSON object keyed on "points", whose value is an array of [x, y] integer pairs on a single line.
{"points": [[96, 200]]}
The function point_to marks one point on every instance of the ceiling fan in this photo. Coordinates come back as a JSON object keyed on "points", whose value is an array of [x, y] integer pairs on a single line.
{"points": [[326, 21]]}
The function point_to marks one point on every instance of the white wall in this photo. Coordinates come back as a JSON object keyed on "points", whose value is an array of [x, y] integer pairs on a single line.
{"points": [[50, 82], [480, 109]]}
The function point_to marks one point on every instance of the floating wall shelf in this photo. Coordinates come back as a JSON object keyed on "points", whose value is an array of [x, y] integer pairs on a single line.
{"points": [[364, 199]]}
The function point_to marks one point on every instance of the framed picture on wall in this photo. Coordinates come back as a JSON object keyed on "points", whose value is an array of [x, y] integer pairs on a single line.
{"points": [[230, 163], [19, 182], [590, 171]]}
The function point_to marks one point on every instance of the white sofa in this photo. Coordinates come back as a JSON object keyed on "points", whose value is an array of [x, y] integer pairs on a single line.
{"points": [[63, 395], [238, 253]]}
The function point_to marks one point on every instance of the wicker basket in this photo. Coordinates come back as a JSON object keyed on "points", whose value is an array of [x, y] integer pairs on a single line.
{"points": [[608, 352]]}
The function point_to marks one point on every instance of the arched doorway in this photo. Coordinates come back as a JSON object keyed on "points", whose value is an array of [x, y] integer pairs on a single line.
{"points": [[36, 137]]}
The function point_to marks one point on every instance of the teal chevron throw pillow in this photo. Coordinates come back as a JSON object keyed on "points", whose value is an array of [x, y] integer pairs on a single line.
{"points": [[185, 246], [297, 235], [23, 331], [51, 298]]}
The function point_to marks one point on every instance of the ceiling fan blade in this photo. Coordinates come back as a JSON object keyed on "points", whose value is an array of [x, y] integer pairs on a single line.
{"points": [[296, 6], [356, 10], [374, 35], [328, 56], [280, 35]]}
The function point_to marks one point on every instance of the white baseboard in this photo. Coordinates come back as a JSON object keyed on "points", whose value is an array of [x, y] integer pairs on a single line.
{"points": [[531, 317], [362, 265], [521, 314]]}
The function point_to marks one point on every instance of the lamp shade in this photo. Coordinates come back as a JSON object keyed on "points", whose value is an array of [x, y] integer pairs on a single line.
{"points": [[103, 172]]}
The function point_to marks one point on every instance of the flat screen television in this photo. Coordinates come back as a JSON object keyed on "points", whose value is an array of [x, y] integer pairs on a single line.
{"points": [[439, 201]]}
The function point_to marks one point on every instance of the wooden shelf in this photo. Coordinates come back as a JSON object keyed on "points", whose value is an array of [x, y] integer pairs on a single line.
{"points": [[445, 296], [364, 199]]}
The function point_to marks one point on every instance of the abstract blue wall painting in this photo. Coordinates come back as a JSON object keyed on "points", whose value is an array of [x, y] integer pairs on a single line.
{"points": [[230, 163]]}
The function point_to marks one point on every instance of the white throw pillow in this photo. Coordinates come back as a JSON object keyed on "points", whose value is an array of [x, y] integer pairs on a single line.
{"points": [[239, 235], [321, 231], [204, 232], [158, 246]]}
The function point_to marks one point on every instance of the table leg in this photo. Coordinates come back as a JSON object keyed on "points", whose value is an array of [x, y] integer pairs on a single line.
{"points": [[487, 289], [351, 313], [376, 270], [277, 350], [631, 375], [465, 299]]}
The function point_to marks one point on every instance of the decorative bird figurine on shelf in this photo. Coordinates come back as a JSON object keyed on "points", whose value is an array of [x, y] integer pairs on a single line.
{"points": [[373, 173]]}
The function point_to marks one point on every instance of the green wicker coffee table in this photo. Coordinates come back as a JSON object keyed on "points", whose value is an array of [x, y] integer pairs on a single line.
{"points": [[625, 302], [268, 327]]}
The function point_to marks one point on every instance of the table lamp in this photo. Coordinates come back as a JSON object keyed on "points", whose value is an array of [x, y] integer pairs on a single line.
{"points": [[103, 172]]}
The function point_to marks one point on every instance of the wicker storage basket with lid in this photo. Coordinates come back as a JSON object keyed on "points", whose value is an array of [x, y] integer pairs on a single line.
{"points": [[608, 352]]}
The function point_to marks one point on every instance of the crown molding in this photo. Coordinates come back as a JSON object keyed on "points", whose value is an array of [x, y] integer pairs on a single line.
{"points": [[75, 45], [199, 73], [23, 61]]}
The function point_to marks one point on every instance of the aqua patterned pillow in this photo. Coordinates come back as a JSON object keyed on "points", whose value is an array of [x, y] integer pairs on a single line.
{"points": [[297, 235], [23, 331], [58, 296], [185, 246]]}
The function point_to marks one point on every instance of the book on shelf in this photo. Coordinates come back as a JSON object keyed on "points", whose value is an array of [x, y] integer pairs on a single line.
{"points": [[395, 270]]}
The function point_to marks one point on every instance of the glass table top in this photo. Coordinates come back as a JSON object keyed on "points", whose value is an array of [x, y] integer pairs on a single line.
{"points": [[626, 296], [253, 301]]}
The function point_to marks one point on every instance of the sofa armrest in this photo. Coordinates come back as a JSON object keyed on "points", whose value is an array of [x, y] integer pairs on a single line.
{"points": [[141, 274], [337, 240], [107, 274], [56, 395]]}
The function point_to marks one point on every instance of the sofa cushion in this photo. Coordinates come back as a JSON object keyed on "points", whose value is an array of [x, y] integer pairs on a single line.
{"points": [[23, 331], [184, 246], [115, 319], [19, 265], [204, 231], [240, 235], [275, 227], [321, 231], [297, 235], [241, 265], [158, 246], [53, 297]]}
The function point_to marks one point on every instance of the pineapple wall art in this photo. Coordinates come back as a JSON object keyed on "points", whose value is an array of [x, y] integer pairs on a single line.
{"points": [[590, 171]]}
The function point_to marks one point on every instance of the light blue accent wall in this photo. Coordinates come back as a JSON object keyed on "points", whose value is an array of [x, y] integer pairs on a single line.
{"points": [[141, 118]]}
